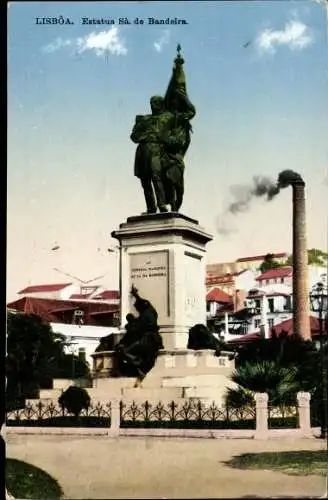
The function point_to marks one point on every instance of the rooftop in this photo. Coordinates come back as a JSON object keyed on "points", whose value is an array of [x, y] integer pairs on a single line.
{"points": [[280, 255], [259, 295], [217, 295], [80, 296], [278, 272], [219, 278], [286, 326], [108, 294], [49, 309], [55, 287]]}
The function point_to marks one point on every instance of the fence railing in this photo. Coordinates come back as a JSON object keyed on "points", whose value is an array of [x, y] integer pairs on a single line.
{"points": [[283, 417], [190, 414], [53, 415], [193, 414]]}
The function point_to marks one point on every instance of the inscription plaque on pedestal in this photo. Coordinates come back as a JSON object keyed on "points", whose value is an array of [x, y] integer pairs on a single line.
{"points": [[149, 272], [194, 292]]}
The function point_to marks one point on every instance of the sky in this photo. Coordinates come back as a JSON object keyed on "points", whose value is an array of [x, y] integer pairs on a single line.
{"points": [[257, 74]]}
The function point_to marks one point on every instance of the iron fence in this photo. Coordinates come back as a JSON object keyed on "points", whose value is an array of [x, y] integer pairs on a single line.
{"points": [[190, 414], [193, 414], [282, 417], [53, 415]]}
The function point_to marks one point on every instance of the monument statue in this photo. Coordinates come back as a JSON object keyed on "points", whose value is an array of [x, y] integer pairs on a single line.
{"points": [[136, 353], [163, 138], [200, 337]]}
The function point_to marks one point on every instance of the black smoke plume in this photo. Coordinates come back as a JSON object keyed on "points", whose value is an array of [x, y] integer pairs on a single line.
{"points": [[261, 187]]}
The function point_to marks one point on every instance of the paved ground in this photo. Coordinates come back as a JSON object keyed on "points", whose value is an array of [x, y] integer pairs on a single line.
{"points": [[133, 467]]}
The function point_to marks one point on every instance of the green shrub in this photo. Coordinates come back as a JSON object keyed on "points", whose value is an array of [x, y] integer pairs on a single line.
{"points": [[74, 400]]}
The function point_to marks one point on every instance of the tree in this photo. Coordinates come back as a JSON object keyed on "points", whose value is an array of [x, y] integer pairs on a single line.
{"points": [[70, 366], [284, 350], [35, 355], [316, 257], [280, 366], [240, 398], [31, 350], [269, 263], [74, 400], [279, 382]]}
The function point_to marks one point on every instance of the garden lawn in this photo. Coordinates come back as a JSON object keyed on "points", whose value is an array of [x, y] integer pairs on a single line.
{"points": [[26, 481], [300, 463]]}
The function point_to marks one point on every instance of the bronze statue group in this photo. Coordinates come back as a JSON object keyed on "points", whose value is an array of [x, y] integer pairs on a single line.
{"points": [[136, 353], [163, 138]]}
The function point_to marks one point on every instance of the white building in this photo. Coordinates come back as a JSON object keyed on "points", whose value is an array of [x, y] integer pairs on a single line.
{"points": [[82, 340], [245, 280], [268, 308], [284, 276], [82, 314]]}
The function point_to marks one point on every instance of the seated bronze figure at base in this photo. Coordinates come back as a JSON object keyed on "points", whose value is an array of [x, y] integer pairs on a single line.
{"points": [[137, 352]]}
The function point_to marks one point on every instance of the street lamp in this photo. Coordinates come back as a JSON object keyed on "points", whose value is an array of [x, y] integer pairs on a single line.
{"points": [[318, 297], [71, 344]]}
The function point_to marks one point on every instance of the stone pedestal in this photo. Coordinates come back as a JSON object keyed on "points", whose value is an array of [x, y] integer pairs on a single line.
{"points": [[163, 255], [180, 374]]}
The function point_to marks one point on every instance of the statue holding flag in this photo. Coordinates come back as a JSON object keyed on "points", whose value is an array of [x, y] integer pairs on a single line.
{"points": [[163, 139]]}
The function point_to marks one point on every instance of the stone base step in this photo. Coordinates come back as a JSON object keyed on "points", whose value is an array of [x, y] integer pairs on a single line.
{"points": [[113, 383], [50, 393], [46, 401], [201, 380], [155, 394]]}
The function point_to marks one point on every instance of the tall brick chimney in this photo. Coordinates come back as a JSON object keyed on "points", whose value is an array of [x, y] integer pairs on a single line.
{"points": [[301, 308]]}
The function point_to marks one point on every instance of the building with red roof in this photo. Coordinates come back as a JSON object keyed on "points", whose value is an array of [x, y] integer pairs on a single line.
{"points": [[217, 295], [113, 295], [286, 326], [82, 322], [279, 275], [50, 291], [64, 311], [54, 287], [260, 258], [71, 291]]}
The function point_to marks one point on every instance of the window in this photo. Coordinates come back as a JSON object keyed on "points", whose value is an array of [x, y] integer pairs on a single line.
{"points": [[257, 304], [257, 323], [282, 280], [86, 290], [267, 282], [78, 317], [287, 304], [271, 305], [244, 328], [270, 322]]}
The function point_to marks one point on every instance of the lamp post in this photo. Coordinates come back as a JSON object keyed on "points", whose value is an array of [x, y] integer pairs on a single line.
{"points": [[318, 297], [71, 344]]}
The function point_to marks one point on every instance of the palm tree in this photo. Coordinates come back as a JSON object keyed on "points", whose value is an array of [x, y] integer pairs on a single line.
{"points": [[285, 351], [279, 382]]}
